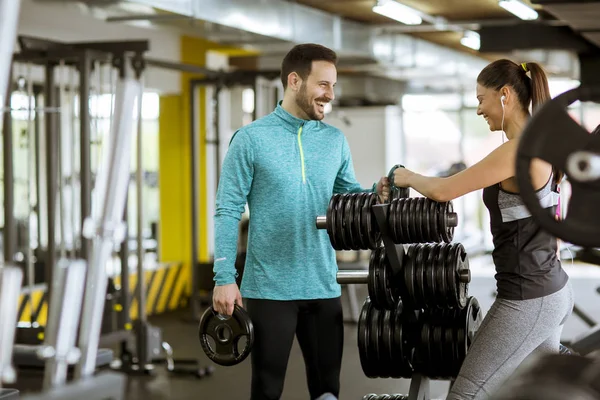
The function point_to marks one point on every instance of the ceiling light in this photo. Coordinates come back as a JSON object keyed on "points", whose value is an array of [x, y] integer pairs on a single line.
{"points": [[471, 39], [397, 11], [519, 9]]}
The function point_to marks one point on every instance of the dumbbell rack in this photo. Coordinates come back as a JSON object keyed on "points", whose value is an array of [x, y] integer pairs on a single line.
{"points": [[419, 384]]}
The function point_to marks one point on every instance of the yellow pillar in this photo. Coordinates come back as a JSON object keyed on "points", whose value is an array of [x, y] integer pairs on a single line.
{"points": [[174, 163]]}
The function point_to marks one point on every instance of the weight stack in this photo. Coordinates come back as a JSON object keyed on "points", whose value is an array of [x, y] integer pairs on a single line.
{"points": [[418, 317]]}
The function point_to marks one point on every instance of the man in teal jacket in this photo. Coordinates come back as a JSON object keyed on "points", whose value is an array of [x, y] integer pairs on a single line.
{"points": [[286, 166]]}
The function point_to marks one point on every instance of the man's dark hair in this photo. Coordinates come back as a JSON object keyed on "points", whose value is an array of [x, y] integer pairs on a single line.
{"points": [[300, 58]]}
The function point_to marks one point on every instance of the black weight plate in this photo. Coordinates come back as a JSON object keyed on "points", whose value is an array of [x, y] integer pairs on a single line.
{"points": [[417, 220], [362, 223], [371, 224], [411, 221], [363, 335], [391, 291], [433, 211], [450, 230], [448, 342], [475, 319], [339, 223], [428, 368], [330, 220], [440, 288], [406, 221], [373, 344], [226, 334], [464, 326], [344, 230], [463, 287], [386, 344], [450, 275], [372, 278], [380, 287], [409, 285], [379, 350], [429, 270], [365, 217], [420, 219], [419, 277], [355, 226], [348, 222], [397, 356], [334, 230], [391, 220], [439, 367], [426, 226], [441, 274], [400, 231], [441, 220]]}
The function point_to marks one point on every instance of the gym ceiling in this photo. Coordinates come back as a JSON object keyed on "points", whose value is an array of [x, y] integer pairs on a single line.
{"points": [[564, 31]]}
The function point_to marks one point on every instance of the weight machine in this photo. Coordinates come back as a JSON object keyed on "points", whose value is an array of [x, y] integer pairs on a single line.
{"points": [[101, 230]]}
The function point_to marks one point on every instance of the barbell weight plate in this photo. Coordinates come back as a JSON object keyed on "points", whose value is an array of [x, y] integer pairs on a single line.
{"points": [[372, 278], [405, 222], [348, 221], [463, 287], [386, 345], [364, 240], [363, 337], [429, 268], [331, 213], [439, 363], [330, 222], [553, 136], [399, 219], [442, 285], [417, 218], [420, 294], [410, 276], [339, 223], [391, 220], [373, 362], [375, 335], [412, 231], [426, 225], [356, 222], [451, 227], [451, 276], [344, 221], [433, 210], [226, 334], [378, 282]]}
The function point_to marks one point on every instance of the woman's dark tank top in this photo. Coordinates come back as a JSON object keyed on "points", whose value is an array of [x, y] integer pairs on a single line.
{"points": [[525, 257]]}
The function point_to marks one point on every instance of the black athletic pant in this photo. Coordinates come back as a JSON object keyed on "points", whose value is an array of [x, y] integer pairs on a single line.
{"points": [[318, 325]]}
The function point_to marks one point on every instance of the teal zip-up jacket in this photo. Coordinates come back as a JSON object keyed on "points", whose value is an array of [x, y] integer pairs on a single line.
{"points": [[286, 169]]}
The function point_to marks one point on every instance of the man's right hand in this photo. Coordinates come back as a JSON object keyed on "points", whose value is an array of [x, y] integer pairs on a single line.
{"points": [[225, 297]]}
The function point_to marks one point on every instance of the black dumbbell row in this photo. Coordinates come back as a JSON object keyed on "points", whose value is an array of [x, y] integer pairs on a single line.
{"points": [[397, 343], [432, 276], [351, 224], [421, 220]]}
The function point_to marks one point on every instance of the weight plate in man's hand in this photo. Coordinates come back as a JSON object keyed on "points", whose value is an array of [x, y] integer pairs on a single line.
{"points": [[220, 336]]}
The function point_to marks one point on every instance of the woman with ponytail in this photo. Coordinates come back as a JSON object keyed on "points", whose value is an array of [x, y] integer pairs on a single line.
{"points": [[534, 294]]}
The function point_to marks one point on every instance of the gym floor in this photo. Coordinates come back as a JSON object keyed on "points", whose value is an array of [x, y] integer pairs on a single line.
{"points": [[234, 382]]}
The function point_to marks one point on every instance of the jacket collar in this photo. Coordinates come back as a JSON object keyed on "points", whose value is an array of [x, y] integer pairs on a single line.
{"points": [[294, 123]]}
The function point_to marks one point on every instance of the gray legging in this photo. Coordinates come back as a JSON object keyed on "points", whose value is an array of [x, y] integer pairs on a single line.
{"points": [[510, 332]]}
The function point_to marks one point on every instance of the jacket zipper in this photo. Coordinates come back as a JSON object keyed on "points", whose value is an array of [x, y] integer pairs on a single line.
{"points": [[301, 153]]}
